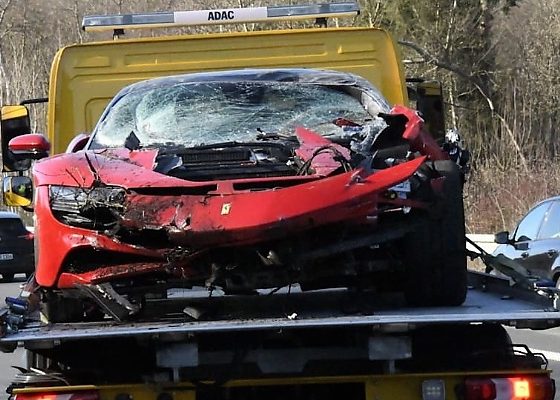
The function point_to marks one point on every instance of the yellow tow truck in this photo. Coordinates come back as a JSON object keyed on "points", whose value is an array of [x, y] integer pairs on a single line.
{"points": [[326, 344]]}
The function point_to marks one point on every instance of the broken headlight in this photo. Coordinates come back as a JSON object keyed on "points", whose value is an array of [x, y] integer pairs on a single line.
{"points": [[91, 208]]}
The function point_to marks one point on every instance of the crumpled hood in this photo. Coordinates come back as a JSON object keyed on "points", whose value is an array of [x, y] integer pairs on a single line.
{"points": [[135, 168], [114, 167]]}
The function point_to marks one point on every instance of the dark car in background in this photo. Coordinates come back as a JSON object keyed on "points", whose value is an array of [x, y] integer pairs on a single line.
{"points": [[535, 243], [16, 247]]}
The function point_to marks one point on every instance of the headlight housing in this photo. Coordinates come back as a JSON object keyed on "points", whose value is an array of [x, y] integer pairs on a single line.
{"points": [[97, 208]]}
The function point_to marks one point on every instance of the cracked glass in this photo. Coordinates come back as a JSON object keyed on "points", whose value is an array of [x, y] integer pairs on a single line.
{"points": [[199, 113]]}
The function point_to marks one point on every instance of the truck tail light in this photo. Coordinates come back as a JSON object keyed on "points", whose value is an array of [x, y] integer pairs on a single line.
{"points": [[81, 395], [513, 388], [480, 389]]}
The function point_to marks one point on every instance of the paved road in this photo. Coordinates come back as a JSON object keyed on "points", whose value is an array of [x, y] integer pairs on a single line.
{"points": [[545, 341], [16, 358]]}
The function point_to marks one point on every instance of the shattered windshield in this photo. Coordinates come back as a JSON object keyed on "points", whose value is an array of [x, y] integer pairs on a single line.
{"points": [[197, 113]]}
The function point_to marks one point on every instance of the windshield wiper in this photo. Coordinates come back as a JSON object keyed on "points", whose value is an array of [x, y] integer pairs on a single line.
{"points": [[266, 136]]}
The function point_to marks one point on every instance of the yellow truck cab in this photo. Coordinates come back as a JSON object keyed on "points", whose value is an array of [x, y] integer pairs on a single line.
{"points": [[85, 77]]}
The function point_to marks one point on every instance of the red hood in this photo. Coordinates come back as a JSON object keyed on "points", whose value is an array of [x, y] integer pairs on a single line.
{"points": [[118, 167], [135, 169]]}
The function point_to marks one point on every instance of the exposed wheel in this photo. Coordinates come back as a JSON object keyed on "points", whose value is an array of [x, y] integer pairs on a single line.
{"points": [[8, 276], [436, 264]]}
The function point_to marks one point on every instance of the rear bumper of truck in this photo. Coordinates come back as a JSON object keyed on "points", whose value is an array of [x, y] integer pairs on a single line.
{"points": [[536, 385]]}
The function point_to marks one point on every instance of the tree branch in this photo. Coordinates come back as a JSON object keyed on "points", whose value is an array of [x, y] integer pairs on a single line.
{"points": [[430, 59]]}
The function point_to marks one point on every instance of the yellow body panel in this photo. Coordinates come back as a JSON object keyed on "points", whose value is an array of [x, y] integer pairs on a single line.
{"points": [[431, 88], [85, 77], [12, 112], [376, 387]]}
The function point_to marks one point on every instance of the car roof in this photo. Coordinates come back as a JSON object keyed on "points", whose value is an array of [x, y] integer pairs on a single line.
{"points": [[304, 75], [9, 215]]}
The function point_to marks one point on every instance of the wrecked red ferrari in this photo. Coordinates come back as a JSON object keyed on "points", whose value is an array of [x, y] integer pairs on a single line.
{"points": [[252, 179]]}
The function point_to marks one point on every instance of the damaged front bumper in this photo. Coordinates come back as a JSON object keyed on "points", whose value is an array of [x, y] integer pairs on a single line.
{"points": [[107, 233]]}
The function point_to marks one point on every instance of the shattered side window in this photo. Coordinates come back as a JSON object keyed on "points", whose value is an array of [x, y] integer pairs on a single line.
{"points": [[196, 113], [118, 123]]}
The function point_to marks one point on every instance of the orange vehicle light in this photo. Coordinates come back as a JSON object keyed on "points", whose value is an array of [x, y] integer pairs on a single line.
{"points": [[81, 395], [512, 388], [521, 388]]}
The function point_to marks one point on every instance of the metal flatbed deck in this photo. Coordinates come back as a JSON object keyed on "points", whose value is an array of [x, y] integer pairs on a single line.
{"points": [[489, 299]]}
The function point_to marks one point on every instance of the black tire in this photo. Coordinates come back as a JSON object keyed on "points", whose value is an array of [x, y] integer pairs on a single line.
{"points": [[436, 263], [419, 280], [8, 276]]}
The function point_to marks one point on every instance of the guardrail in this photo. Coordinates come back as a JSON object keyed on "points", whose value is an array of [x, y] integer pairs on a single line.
{"points": [[485, 241]]}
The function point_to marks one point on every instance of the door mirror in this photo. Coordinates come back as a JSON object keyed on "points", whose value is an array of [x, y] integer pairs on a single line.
{"points": [[502, 238], [14, 122], [17, 191], [29, 147]]}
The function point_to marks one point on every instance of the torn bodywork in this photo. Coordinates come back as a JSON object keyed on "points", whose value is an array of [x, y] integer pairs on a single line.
{"points": [[303, 177]]}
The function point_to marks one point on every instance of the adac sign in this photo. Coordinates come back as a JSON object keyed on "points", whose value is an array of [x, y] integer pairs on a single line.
{"points": [[224, 15]]}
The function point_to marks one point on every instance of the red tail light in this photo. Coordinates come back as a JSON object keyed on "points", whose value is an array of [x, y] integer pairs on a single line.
{"points": [[513, 388], [28, 236], [542, 388], [480, 389], [82, 395]]}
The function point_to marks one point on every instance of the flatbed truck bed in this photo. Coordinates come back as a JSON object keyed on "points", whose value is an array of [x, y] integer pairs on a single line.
{"points": [[333, 343], [490, 300]]}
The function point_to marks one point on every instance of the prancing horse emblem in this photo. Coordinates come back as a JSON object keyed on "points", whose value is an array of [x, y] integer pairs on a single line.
{"points": [[226, 207]]}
